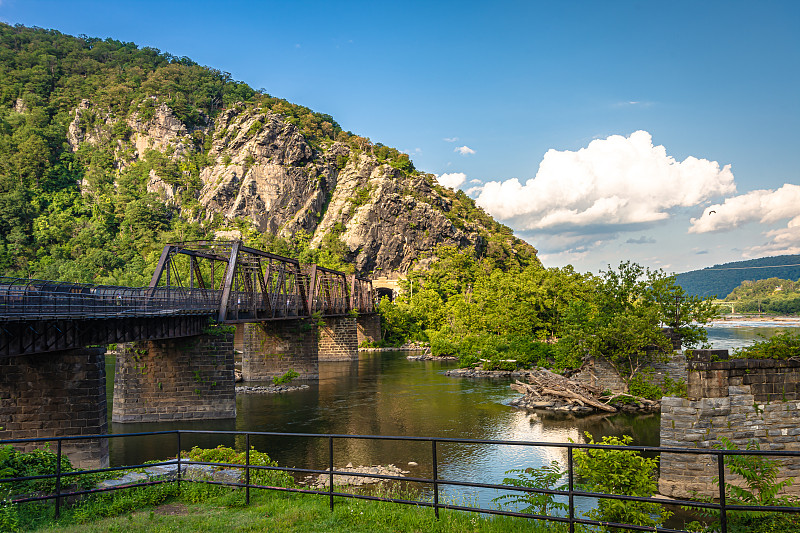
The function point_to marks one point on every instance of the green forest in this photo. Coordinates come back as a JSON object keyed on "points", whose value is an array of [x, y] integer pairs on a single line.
{"points": [[86, 215], [718, 281]]}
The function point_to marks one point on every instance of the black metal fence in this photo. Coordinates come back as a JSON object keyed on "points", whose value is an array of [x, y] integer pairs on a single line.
{"points": [[434, 482]]}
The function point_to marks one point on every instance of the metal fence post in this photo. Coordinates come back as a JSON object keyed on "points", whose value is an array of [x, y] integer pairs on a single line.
{"points": [[571, 489], [330, 468], [179, 459], [247, 467], [723, 519], [58, 479], [435, 480]]}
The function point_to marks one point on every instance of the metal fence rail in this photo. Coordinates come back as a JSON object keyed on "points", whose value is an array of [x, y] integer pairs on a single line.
{"points": [[435, 482]]}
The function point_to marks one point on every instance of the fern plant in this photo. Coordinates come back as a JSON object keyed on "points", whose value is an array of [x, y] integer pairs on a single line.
{"points": [[547, 477], [762, 487]]}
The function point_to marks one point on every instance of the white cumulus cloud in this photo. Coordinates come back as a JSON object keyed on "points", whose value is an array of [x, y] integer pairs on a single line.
{"points": [[765, 206], [614, 184], [453, 180], [446, 139], [464, 150]]}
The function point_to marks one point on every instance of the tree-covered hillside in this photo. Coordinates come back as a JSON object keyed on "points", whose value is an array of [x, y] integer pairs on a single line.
{"points": [[772, 295], [108, 151], [720, 280]]}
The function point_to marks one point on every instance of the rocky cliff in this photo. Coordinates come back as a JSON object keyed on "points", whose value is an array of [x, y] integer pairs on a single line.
{"points": [[259, 167]]}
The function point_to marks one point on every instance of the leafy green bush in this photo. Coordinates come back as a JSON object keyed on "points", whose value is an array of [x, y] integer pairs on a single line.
{"points": [[223, 454], [285, 378], [623, 472], [255, 128], [674, 388], [783, 345], [499, 352], [642, 384], [39, 462]]}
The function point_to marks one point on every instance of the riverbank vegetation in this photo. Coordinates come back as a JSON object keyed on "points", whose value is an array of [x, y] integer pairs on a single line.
{"points": [[783, 345], [535, 316]]}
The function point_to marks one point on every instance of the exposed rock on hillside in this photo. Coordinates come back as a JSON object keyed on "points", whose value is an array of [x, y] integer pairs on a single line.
{"points": [[258, 166]]}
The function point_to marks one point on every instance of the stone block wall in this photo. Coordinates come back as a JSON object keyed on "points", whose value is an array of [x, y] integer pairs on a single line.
{"points": [[369, 328], [271, 349], [600, 373], [742, 400], [338, 339], [674, 368], [57, 394], [189, 378]]}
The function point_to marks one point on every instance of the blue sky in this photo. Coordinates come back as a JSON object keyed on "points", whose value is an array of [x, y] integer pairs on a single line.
{"points": [[592, 107]]}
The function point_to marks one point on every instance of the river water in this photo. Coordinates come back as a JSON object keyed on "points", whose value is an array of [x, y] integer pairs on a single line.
{"points": [[385, 394]]}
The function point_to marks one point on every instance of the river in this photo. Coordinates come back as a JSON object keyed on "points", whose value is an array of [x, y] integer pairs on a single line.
{"points": [[386, 394]]}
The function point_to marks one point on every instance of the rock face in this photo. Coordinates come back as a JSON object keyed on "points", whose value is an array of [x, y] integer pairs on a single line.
{"points": [[259, 167]]}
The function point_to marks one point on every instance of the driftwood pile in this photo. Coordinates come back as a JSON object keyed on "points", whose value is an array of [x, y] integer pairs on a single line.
{"points": [[548, 390]]}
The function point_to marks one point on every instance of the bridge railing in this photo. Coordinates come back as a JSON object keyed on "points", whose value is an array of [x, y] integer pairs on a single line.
{"points": [[25, 298]]}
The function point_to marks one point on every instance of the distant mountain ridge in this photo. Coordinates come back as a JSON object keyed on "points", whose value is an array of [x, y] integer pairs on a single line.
{"points": [[720, 280]]}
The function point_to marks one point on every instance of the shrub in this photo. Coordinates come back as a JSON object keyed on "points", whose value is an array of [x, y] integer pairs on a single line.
{"points": [[223, 454], [548, 477], [641, 384], [286, 378], [623, 472], [39, 462], [762, 488], [780, 346]]}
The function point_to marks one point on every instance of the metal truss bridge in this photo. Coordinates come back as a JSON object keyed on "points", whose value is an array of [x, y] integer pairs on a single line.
{"points": [[193, 282]]}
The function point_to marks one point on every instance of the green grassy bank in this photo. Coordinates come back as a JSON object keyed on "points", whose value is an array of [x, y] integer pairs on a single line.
{"points": [[226, 512]]}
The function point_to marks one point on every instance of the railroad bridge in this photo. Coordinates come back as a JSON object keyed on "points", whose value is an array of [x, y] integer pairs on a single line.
{"points": [[209, 306]]}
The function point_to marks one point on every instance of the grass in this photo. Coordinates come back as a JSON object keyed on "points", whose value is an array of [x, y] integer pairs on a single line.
{"points": [[224, 511]]}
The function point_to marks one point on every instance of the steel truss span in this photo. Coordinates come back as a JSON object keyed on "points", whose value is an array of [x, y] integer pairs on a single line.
{"points": [[193, 282]]}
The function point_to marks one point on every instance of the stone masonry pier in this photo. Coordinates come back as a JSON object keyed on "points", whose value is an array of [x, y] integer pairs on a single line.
{"points": [[57, 394], [368, 328], [271, 349], [338, 339], [189, 378], [743, 400]]}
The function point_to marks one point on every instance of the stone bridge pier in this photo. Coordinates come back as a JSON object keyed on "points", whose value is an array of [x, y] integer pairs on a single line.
{"points": [[271, 349], [186, 378], [57, 394]]}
